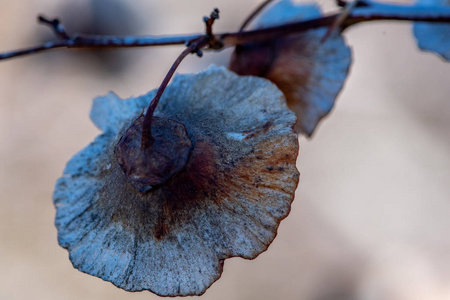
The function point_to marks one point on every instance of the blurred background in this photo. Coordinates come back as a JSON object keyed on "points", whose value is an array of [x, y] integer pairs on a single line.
{"points": [[371, 218]]}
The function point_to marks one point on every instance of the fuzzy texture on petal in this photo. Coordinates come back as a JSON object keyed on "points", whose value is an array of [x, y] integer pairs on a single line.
{"points": [[308, 72], [237, 186], [434, 37]]}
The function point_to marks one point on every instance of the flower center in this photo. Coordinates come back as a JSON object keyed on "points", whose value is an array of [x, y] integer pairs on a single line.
{"points": [[147, 167]]}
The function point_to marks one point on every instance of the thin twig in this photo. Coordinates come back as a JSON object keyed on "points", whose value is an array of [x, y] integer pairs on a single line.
{"points": [[254, 14], [210, 21], [213, 42], [375, 11], [378, 12], [245, 37], [86, 41], [33, 50], [56, 26], [370, 11]]}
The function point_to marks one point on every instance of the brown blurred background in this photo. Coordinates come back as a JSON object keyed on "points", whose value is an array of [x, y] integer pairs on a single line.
{"points": [[371, 218]]}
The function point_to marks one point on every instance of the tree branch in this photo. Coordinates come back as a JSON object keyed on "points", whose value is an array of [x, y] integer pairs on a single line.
{"points": [[372, 12], [94, 41], [363, 12], [367, 10]]}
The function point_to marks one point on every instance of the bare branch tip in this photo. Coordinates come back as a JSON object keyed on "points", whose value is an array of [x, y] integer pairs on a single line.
{"points": [[209, 21], [56, 26], [46, 21], [214, 14]]}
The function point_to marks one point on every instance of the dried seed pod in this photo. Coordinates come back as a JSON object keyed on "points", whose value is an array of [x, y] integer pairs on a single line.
{"points": [[309, 73], [147, 167], [228, 199]]}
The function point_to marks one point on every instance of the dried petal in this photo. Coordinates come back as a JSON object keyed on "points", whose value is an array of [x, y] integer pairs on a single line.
{"points": [[434, 37], [236, 187], [310, 73]]}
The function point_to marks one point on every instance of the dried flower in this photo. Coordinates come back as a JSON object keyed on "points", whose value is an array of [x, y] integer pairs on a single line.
{"points": [[228, 200], [309, 73]]}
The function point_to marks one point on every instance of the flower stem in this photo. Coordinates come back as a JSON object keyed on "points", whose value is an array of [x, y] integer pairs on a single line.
{"points": [[254, 14], [193, 47]]}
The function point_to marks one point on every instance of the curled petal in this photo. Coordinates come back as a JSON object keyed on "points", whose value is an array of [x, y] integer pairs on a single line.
{"points": [[236, 187]]}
